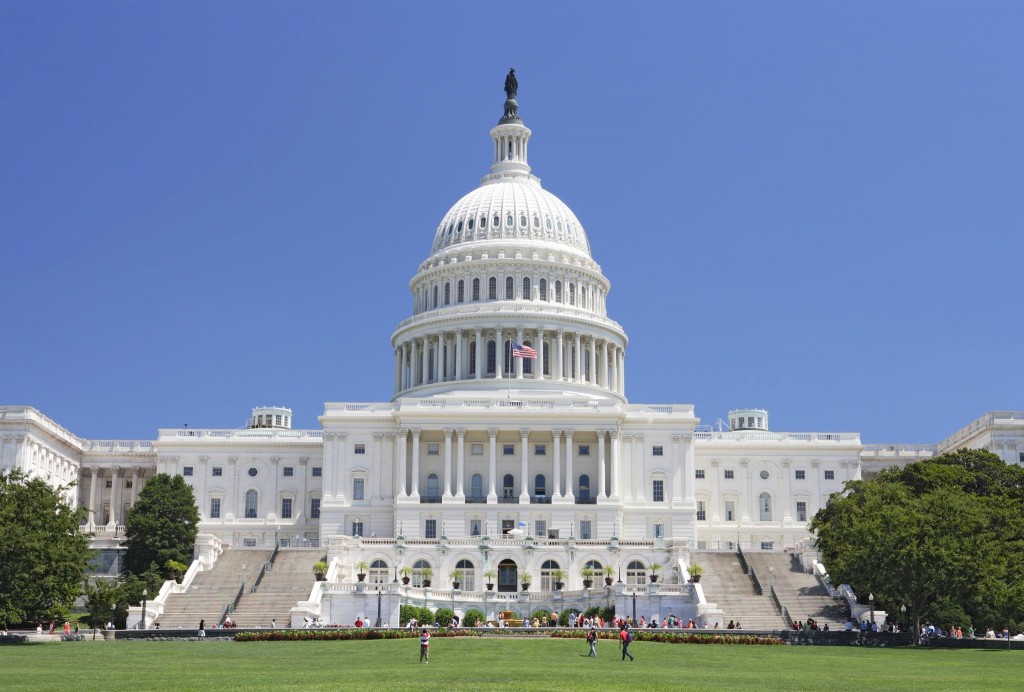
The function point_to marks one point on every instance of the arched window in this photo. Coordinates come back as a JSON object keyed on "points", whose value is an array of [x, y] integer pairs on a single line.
{"points": [[468, 574], [435, 296], [476, 289], [433, 491], [461, 293], [430, 366], [543, 286], [572, 294], [510, 288], [764, 502], [491, 357], [508, 485], [509, 221], [522, 220], [558, 291], [508, 579], [492, 288], [526, 288], [540, 485], [584, 488], [252, 504], [527, 362], [586, 365], [447, 293], [476, 487], [636, 573], [594, 565], [496, 221], [547, 579], [417, 572], [583, 296], [483, 222], [472, 360], [508, 358], [378, 572]]}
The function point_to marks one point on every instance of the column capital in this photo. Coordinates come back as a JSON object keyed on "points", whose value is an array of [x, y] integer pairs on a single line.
{"points": [[202, 460], [614, 434], [715, 463], [448, 432], [378, 436], [524, 433], [232, 460], [403, 433], [744, 463], [275, 460], [461, 433], [492, 433], [303, 461], [556, 434], [416, 433], [328, 436], [815, 463], [568, 433], [786, 463]]}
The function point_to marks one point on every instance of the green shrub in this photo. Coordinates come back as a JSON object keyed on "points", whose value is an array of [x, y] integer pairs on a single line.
{"points": [[563, 618], [542, 616], [425, 616], [607, 614], [443, 617], [406, 613], [473, 617]]}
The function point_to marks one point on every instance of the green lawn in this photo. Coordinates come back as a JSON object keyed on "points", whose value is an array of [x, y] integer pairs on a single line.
{"points": [[481, 664]]}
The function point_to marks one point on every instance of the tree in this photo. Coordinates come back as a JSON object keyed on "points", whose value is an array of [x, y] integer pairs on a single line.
{"points": [[161, 526], [942, 536], [43, 554]]}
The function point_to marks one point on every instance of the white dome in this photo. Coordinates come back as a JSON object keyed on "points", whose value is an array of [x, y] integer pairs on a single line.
{"points": [[522, 209]]}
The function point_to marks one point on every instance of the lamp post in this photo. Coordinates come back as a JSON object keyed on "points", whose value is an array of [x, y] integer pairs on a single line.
{"points": [[113, 613], [634, 607], [379, 594], [145, 595], [771, 575], [871, 601], [903, 616]]}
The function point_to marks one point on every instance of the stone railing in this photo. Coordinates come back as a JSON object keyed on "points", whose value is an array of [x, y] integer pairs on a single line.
{"points": [[761, 436], [311, 436], [991, 418]]}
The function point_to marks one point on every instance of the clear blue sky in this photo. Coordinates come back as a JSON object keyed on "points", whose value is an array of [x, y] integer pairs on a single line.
{"points": [[812, 207]]}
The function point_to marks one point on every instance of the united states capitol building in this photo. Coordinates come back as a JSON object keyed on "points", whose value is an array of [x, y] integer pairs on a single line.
{"points": [[487, 464]]}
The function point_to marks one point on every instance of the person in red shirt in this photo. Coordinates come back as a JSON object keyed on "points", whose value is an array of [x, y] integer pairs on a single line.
{"points": [[626, 638]]}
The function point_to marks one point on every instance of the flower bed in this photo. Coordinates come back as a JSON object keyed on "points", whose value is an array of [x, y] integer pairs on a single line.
{"points": [[677, 637], [368, 634]]}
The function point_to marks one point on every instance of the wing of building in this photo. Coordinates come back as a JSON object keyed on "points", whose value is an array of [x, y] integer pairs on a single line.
{"points": [[507, 446]]}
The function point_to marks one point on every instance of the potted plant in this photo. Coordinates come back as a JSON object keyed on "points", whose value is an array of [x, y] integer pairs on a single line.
{"points": [[526, 579], [175, 570], [426, 573], [361, 567], [653, 576], [320, 570], [609, 572], [456, 577], [406, 573], [588, 576], [695, 572], [489, 575], [559, 576]]}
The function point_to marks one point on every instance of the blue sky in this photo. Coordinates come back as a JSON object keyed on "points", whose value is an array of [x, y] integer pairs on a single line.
{"points": [[809, 207]]}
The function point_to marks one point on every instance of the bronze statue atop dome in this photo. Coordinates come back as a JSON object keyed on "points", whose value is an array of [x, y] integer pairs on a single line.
{"points": [[511, 84]]}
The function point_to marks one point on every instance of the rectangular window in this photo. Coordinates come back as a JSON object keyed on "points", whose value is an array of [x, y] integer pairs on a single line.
{"points": [[540, 450], [586, 530], [187, 471], [657, 451], [508, 450], [702, 512], [830, 475], [314, 508], [729, 474], [215, 508], [286, 508], [659, 490], [357, 528], [475, 527], [110, 484], [360, 448], [801, 511], [703, 545], [730, 510], [584, 450], [358, 488], [433, 449], [430, 528], [289, 471], [800, 474], [277, 419], [476, 449], [318, 471], [540, 528], [767, 545], [218, 470], [248, 542], [659, 530], [699, 473]]}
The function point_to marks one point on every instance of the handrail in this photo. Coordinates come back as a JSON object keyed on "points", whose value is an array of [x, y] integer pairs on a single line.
{"points": [[264, 568], [743, 560], [755, 581], [783, 611], [233, 604]]}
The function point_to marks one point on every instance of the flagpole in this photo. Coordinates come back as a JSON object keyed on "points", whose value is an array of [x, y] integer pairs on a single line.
{"points": [[510, 364]]}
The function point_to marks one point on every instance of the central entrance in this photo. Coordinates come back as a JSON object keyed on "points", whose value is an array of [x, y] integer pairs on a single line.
{"points": [[508, 578]]}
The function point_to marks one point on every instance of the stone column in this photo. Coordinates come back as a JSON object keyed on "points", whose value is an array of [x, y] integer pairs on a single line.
{"points": [[613, 375], [716, 496], [398, 369], [425, 361], [602, 480], [787, 494], [378, 458], [415, 494], [676, 465], [524, 491], [135, 485], [413, 357], [603, 372], [592, 375], [556, 483], [492, 466], [458, 354], [538, 370], [96, 477], [447, 494], [578, 359], [499, 354], [438, 362], [745, 504], [622, 372], [614, 435], [115, 496], [481, 363], [403, 468], [689, 467], [460, 472], [569, 477], [814, 506], [638, 460], [557, 365]]}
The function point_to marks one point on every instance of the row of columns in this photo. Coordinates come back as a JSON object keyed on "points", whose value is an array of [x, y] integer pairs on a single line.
{"points": [[98, 475], [450, 353], [607, 484]]}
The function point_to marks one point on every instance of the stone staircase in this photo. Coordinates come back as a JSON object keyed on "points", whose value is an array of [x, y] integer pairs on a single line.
{"points": [[726, 585], [212, 590], [289, 580], [801, 593]]}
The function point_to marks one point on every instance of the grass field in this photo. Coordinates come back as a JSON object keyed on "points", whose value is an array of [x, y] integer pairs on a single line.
{"points": [[491, 664]]}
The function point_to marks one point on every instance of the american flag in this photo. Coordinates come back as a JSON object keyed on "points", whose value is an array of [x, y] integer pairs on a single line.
{"points": [[522, 351]]}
